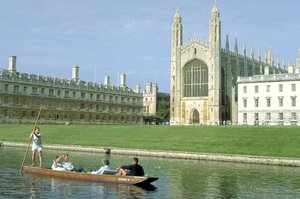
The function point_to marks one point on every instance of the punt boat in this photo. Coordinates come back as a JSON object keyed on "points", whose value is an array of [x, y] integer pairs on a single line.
{"points": [[108, 176]]}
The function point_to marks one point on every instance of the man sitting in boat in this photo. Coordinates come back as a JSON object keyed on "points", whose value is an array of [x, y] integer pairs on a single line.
{"points": [[68, 165], [132, 170], [56, 164], [105, 167]]}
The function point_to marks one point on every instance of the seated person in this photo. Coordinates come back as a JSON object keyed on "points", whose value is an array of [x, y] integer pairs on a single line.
{"points": [[105, 167], [68, 165], [56, 165], [133, 170]]}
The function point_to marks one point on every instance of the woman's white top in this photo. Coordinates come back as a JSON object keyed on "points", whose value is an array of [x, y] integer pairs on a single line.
{"points": [[101, 170], [67, 165]]}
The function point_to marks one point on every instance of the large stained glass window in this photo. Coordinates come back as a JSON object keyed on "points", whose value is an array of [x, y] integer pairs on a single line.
{"points": [[195, 79]]}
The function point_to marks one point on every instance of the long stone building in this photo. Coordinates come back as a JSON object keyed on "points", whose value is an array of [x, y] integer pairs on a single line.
{"points": [[204, 74], [66, 100]]}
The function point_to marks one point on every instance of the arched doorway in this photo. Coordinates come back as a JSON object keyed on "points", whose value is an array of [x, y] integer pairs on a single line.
{"points": [[195, 117]]}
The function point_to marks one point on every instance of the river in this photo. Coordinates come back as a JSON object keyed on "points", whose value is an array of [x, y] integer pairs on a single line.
{"points": [[177, 179]]}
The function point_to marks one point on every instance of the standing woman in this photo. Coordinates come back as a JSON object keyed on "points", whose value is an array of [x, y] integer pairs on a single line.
{"points": [[36, 137]]}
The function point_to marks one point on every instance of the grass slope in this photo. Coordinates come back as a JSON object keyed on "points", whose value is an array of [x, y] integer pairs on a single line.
{"points": [[251, 140]]}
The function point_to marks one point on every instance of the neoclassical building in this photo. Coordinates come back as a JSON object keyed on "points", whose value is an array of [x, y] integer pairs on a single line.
{"points": [[66, 100], [204, 74], [270, 99]]}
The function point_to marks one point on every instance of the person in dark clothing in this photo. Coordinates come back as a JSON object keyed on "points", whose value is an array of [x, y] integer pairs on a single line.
{"points": [[132, 170]]}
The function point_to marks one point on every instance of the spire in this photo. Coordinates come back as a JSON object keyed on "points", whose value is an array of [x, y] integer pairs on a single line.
{"points": [[266, 62], [252, 52], [298, 59], [278, 61], [236, 50], [283, 64], [227, 43], [177, 29], [177, 16], [215, 7], [244, 49], [259, 55]]}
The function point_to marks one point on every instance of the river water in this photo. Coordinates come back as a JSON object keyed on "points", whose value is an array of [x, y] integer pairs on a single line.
{"points": [[177, 179]]}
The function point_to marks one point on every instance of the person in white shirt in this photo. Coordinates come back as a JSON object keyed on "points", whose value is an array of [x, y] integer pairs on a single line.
{"points": [[105, 167], [57, 165], [66, 163], [37, 145]]}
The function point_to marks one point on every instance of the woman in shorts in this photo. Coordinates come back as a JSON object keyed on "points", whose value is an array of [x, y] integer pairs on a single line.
{"points": [[36, 137]]}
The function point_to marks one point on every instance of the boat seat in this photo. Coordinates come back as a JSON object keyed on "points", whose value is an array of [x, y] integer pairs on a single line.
{"points": [[109, 172]]}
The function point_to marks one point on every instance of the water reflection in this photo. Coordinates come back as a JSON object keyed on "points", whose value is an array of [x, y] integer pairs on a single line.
{"points": [[178, 179]]}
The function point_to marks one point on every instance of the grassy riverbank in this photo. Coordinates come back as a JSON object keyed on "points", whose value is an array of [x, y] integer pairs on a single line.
{"points": [[250, 140]]}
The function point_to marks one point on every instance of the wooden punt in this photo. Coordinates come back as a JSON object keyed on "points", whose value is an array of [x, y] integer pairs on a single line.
{"points": [[129, 180]]}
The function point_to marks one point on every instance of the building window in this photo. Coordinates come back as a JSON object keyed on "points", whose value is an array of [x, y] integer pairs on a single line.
{"points": [[293, 87], [5, 101], [98, 96], [16, 88], [256, 101], [25, 89], [195, 79], [294, 116], [66, 93], [34, 90], [268, 88], [59, 93], [42, 91], [244, 89], [280, 100], [293, 101], [51, 92], [256, 89], [245, 102], [82, 95], [245, 118], [280, 116], [104, 97], [91, 96], [280, 88], [74, 94], [268, 102], [82, 106], [256, 118], [6, 87], [268, 116]]}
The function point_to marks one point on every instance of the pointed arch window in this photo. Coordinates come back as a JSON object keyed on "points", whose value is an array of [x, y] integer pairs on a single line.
{"points": [[195, 79]]}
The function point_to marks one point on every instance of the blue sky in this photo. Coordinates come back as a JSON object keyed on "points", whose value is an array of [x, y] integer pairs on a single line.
{"points": [[133, 36]]}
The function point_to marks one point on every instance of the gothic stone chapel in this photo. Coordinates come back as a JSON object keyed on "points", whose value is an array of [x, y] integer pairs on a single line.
{"points": [[204, 75]]}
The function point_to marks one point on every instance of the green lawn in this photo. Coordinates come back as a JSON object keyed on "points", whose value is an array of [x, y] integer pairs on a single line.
{"points": [[252, 140]]}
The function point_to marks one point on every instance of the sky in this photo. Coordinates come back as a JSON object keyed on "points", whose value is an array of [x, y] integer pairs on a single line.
{"points": [[134, 36]]}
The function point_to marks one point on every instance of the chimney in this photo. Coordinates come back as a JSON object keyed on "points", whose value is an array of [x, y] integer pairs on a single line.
{"points": [[12, 62], [267, 72], [138, 88], [149, 87], [75, 73], [106, 80], [291, 69], [154, 88], [122, 80]]}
